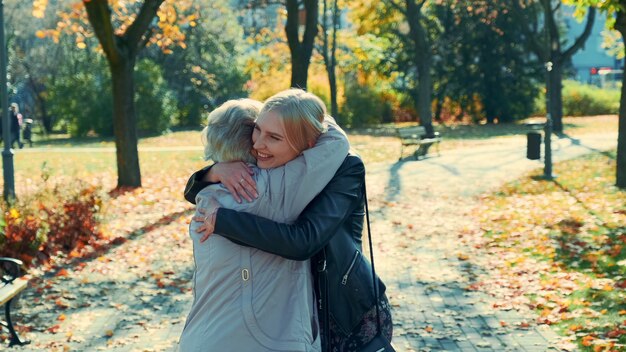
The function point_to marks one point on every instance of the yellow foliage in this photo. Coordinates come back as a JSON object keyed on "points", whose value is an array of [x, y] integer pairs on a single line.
{"points": [[39, 8], [73, 21], [13, 213]]}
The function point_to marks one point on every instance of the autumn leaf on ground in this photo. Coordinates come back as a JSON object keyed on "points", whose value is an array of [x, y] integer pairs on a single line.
{"points": [[53, 329], [61, 303], [616, 333], [587, 340], [462, 256]]}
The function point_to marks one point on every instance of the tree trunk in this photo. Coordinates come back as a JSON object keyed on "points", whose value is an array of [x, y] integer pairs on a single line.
{"points": [[299, 71], [439, 106], [121, 53], [46, 120], [40, 101], [124, 123], [301, 51], [551, 50], [422, 61], [332, 77], [424, 95], [620, 175]]}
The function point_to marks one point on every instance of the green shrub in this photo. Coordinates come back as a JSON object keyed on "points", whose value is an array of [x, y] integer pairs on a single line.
{"points": [[58, 219], [82, 102], [583, 100], [155, 104], [364, 106]]}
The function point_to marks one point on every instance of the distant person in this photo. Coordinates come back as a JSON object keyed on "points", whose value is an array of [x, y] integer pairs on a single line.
{"points": [[16, 124], [28, 131]]}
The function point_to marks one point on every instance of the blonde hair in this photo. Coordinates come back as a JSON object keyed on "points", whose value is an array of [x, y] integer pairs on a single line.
{"points": [[228, 134], [302, 115]]}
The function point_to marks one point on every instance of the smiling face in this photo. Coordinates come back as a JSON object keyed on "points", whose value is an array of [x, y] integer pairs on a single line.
{"points": [[270, 145]]}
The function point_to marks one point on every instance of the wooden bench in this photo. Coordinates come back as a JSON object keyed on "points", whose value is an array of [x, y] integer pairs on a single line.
{"points": [[416, 135], [10, 286]]}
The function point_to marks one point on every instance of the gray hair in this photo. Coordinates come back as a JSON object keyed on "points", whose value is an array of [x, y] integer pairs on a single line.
{"points": [[228, 134]]}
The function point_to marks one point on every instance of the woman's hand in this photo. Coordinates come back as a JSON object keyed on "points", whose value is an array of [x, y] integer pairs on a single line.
{"points": [[236, 176], [205, 215]]}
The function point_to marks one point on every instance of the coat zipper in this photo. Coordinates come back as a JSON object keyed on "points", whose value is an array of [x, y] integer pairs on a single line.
{"points": [[345, 277]]}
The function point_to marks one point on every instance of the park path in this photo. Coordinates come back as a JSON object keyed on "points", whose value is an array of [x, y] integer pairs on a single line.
{"points": [[420, 209], [135, 296]]}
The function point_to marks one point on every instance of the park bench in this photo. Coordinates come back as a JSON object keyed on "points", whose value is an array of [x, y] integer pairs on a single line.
{"points": [[10, 286], [416, 135]]}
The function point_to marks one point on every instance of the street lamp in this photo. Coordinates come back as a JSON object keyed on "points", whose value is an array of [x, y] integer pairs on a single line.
{"points": [[547, 169], [7, 153]]}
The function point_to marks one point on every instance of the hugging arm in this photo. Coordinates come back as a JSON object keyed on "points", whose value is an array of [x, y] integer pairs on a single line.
{"points": [[314, 227], [235, 176], [196, 183], [329, 147]]}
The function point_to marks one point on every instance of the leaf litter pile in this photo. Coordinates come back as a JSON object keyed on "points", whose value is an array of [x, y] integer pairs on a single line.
{"points": [[121, 293], [559, 247]]}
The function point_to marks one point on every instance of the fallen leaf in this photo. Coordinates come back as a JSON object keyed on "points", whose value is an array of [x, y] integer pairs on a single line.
{"points": [[53, 329], [587, 340], [615, 333]]}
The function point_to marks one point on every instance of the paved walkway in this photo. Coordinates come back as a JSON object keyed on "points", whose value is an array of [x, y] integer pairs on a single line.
{"points": [[420, 208], [135, 296]]}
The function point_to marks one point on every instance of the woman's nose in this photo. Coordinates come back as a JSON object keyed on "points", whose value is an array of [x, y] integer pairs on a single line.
{"points": [[258, 143]]}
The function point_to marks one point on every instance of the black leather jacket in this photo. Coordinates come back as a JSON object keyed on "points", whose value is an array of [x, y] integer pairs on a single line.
{"points": [[332, 224]]}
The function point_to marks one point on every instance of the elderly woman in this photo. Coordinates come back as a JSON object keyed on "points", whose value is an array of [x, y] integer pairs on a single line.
{"points": [[246, 299], [329, 231]]}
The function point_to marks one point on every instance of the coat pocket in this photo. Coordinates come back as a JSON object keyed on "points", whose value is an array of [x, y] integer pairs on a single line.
{"points": [[357, 293]]}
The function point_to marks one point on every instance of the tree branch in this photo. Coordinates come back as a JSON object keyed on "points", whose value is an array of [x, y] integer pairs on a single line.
{"points": [[551, 26], [310, 31], [324, 24], [140, 25], [291, 27], [397, 6], [99, 15], [580, 41]]}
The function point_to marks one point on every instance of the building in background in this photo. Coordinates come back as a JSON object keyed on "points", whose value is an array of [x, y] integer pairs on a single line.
{"points": [[593, 64]]}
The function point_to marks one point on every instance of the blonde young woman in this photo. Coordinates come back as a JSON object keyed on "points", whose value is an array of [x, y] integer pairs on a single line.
{"points": [[328, 232], [246, 299]]}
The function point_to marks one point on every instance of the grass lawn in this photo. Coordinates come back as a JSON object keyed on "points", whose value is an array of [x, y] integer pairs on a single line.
{"points": [[377, 144], [562, 246]]}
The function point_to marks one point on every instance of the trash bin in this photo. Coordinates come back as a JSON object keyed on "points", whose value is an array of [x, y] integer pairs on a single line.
{"points": [[533, 148]]}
